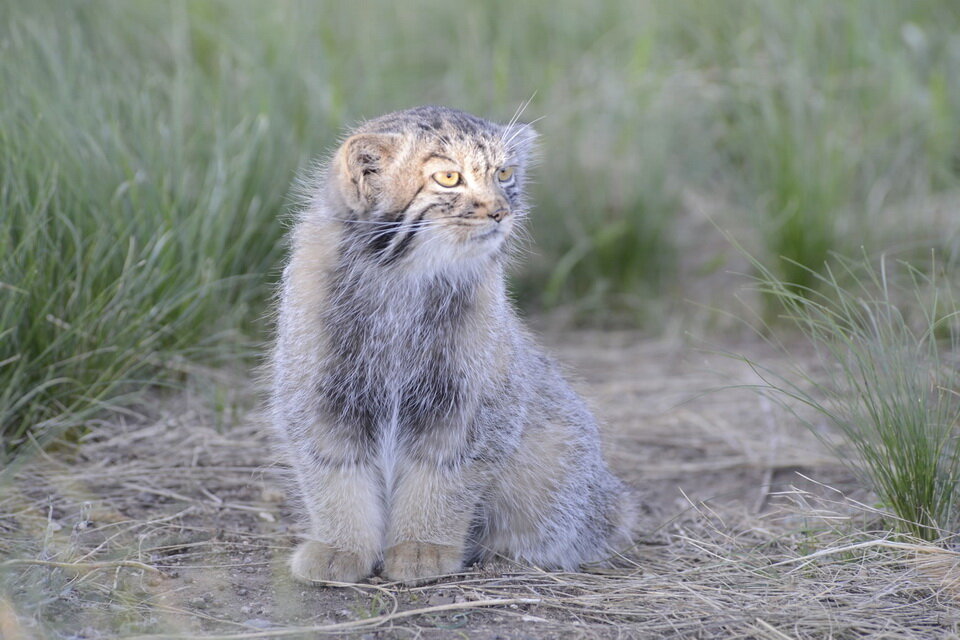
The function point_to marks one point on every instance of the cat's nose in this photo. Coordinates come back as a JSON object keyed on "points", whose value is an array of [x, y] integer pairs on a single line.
{"points": [[498, 214]]}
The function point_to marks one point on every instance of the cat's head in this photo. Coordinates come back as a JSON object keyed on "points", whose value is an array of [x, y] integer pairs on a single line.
{"points": [[431, 186]]}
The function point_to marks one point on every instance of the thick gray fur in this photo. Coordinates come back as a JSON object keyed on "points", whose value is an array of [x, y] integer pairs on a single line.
{"points": [[424, 427]]}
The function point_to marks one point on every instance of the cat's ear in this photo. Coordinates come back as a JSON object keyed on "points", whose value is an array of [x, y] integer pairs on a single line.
{"points": [[360, 164]]}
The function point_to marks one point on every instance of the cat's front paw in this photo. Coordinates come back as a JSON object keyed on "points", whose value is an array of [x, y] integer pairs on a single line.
{"points": [[319, 562], [418, 562]]}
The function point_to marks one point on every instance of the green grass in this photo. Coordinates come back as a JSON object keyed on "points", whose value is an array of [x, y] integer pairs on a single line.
{"points": [[834, 112], [140, 204], [884, 377], [146, 153]]}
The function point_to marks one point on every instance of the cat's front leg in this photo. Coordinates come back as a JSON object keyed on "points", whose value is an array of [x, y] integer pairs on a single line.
{"points": [[431, 511], [343, 501]]}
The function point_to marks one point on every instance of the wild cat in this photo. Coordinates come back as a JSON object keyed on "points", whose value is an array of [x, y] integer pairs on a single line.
{"points": [[424, 427]]}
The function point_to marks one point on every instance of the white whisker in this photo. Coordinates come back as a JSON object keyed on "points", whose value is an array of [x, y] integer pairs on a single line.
{"points": [[527, 125], [516, 117], [394, 229]]}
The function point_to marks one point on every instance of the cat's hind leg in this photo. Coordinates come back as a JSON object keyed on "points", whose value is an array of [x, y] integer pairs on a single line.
{"points": [[555, 505]]}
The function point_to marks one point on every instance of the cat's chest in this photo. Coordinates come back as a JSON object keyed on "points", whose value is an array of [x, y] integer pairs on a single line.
{"points": [[394, 340], [395, 369], [410, 359], [398, 347]]}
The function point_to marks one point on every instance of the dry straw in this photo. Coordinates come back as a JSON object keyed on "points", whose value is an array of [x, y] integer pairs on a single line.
{"points": [[121, 538]]}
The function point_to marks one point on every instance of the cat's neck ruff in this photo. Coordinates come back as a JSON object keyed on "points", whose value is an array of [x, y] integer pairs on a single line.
{"points": [[411, 281]]}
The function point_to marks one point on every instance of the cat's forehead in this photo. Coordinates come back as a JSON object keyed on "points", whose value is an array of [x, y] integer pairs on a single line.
{"points": [[462, 145], [441, 129], [435, 120]]}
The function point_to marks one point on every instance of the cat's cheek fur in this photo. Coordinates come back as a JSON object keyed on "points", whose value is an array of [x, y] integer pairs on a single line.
{"points": [[422, 425]]}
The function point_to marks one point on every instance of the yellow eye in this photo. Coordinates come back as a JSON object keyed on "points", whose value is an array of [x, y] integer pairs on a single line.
{"points": [[504, 174], [447, 178]]}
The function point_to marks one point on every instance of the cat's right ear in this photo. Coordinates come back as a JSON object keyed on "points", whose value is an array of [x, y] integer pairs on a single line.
{"points": [[360, 164]]}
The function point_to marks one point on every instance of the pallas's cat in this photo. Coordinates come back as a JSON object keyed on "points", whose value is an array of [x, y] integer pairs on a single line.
{"points": [[424, 427]]}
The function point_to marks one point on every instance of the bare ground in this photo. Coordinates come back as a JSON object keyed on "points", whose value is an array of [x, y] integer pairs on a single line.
{"points": [[171, 522]]}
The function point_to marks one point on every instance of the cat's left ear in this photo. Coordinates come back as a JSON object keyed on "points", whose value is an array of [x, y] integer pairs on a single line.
{"points": [[360, 164]]}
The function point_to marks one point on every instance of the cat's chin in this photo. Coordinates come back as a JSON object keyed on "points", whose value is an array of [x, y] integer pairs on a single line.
{"points": [[485, 243], [468, 255], [492, 235]]}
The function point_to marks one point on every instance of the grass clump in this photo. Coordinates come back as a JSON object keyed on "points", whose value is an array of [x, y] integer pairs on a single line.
{"points": [[884, 378], [137, 197], [829, 115]]}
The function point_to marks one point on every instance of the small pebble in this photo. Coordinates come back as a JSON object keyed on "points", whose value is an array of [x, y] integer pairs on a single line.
{"points": [[245, 609]]}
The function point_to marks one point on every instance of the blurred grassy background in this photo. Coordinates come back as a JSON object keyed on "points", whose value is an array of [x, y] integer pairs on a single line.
{"points": [[147, 149]]}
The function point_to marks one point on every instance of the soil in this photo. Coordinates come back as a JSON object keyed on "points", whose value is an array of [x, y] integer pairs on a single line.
{"points": [[179, 525]]}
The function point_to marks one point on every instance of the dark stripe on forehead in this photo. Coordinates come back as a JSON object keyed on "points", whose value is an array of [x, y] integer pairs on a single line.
{"points": [[481, 166], [431, 122], [441, 157]]}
